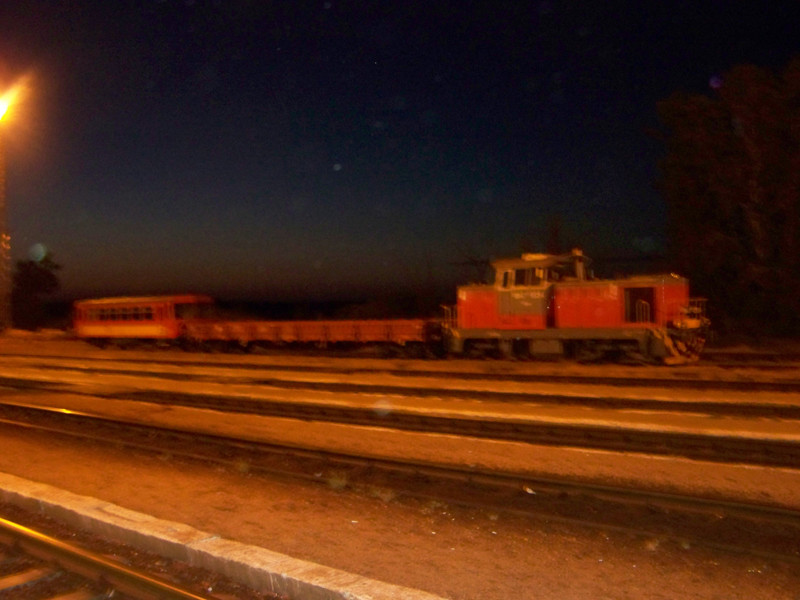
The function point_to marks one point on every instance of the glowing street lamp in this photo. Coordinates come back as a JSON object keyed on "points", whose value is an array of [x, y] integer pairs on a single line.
{"points": [[5, 239]]}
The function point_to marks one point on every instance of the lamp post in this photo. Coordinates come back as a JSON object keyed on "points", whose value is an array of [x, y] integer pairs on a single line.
{"points": [[5, 250], [5, 238]]}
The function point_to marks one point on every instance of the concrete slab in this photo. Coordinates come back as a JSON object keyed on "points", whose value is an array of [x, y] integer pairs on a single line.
{"points": [[252, 566]]}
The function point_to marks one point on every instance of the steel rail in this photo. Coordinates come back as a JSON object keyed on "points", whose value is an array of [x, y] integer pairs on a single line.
{"points": [[93, 566]]}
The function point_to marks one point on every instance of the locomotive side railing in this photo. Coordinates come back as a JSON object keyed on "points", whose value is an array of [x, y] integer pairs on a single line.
{"points": [[689, 316], [697, 307], [450, 318], [642, 310]]}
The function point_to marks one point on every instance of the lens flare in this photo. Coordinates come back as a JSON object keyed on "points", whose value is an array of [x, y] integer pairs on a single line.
{"points": [[37, 252]]}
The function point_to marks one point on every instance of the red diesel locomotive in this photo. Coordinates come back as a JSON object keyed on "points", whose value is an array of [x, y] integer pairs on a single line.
{"points": [[547, 304], [537, 305]]}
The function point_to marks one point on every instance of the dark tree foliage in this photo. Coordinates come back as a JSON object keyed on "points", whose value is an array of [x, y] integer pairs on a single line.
{"points": [[33, 280], [731, 181]]}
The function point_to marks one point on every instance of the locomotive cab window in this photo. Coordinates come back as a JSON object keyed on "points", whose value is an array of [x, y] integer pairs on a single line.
{"points": [[529, 277]]}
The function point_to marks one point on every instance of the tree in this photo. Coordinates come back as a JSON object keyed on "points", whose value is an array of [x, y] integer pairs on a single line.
{"points": [[731, 182], [33, 279]]}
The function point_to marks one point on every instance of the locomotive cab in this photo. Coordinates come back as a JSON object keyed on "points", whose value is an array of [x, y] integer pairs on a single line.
{"points": [[521, 295], [525, 287], [519, 301]]}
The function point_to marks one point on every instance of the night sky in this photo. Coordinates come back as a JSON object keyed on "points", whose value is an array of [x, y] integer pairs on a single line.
{"points": [[330, 149]]}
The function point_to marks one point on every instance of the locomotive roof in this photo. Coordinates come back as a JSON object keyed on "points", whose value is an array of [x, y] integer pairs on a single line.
{"points": [[146, 299], [544, 261]]}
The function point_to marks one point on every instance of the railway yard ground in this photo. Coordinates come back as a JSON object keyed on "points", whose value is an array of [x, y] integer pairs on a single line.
{"points": [[352, 534]]}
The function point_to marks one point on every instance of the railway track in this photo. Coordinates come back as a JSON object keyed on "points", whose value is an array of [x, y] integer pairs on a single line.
{"points": [[711, 447], [602, 431], [35, 565], [405, 379], [725, 377], [767, 531], [608, 435], [758, 358]]}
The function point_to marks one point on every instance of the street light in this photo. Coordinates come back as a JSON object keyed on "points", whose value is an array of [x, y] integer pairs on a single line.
{"points": [[5, 239]]}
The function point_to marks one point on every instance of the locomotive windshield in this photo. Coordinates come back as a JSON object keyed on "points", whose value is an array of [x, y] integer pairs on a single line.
{"points": [[532, 276]]}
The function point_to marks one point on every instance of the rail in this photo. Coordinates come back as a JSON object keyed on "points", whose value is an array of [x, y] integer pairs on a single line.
{"points": [[137, 584]]}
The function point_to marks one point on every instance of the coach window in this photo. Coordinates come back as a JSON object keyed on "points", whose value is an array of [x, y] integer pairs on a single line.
{"points": [[507, 279]]}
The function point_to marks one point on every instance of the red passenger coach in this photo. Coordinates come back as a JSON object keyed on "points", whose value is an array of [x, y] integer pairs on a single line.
{"points": [[548, 304], [145, 318]]}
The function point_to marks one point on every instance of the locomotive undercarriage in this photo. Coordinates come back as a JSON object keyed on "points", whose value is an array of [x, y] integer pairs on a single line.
{"points": [[666, 346]]}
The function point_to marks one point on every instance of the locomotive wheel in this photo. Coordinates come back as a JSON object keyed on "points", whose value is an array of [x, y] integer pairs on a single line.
{"points": [[505, 349], [588, 351]]}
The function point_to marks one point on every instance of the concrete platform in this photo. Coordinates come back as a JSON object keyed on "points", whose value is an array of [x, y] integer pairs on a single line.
{"points": [[252, 566]]}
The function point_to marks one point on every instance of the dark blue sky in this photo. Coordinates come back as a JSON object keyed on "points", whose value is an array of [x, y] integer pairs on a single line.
{"points": [[313, 149]]}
